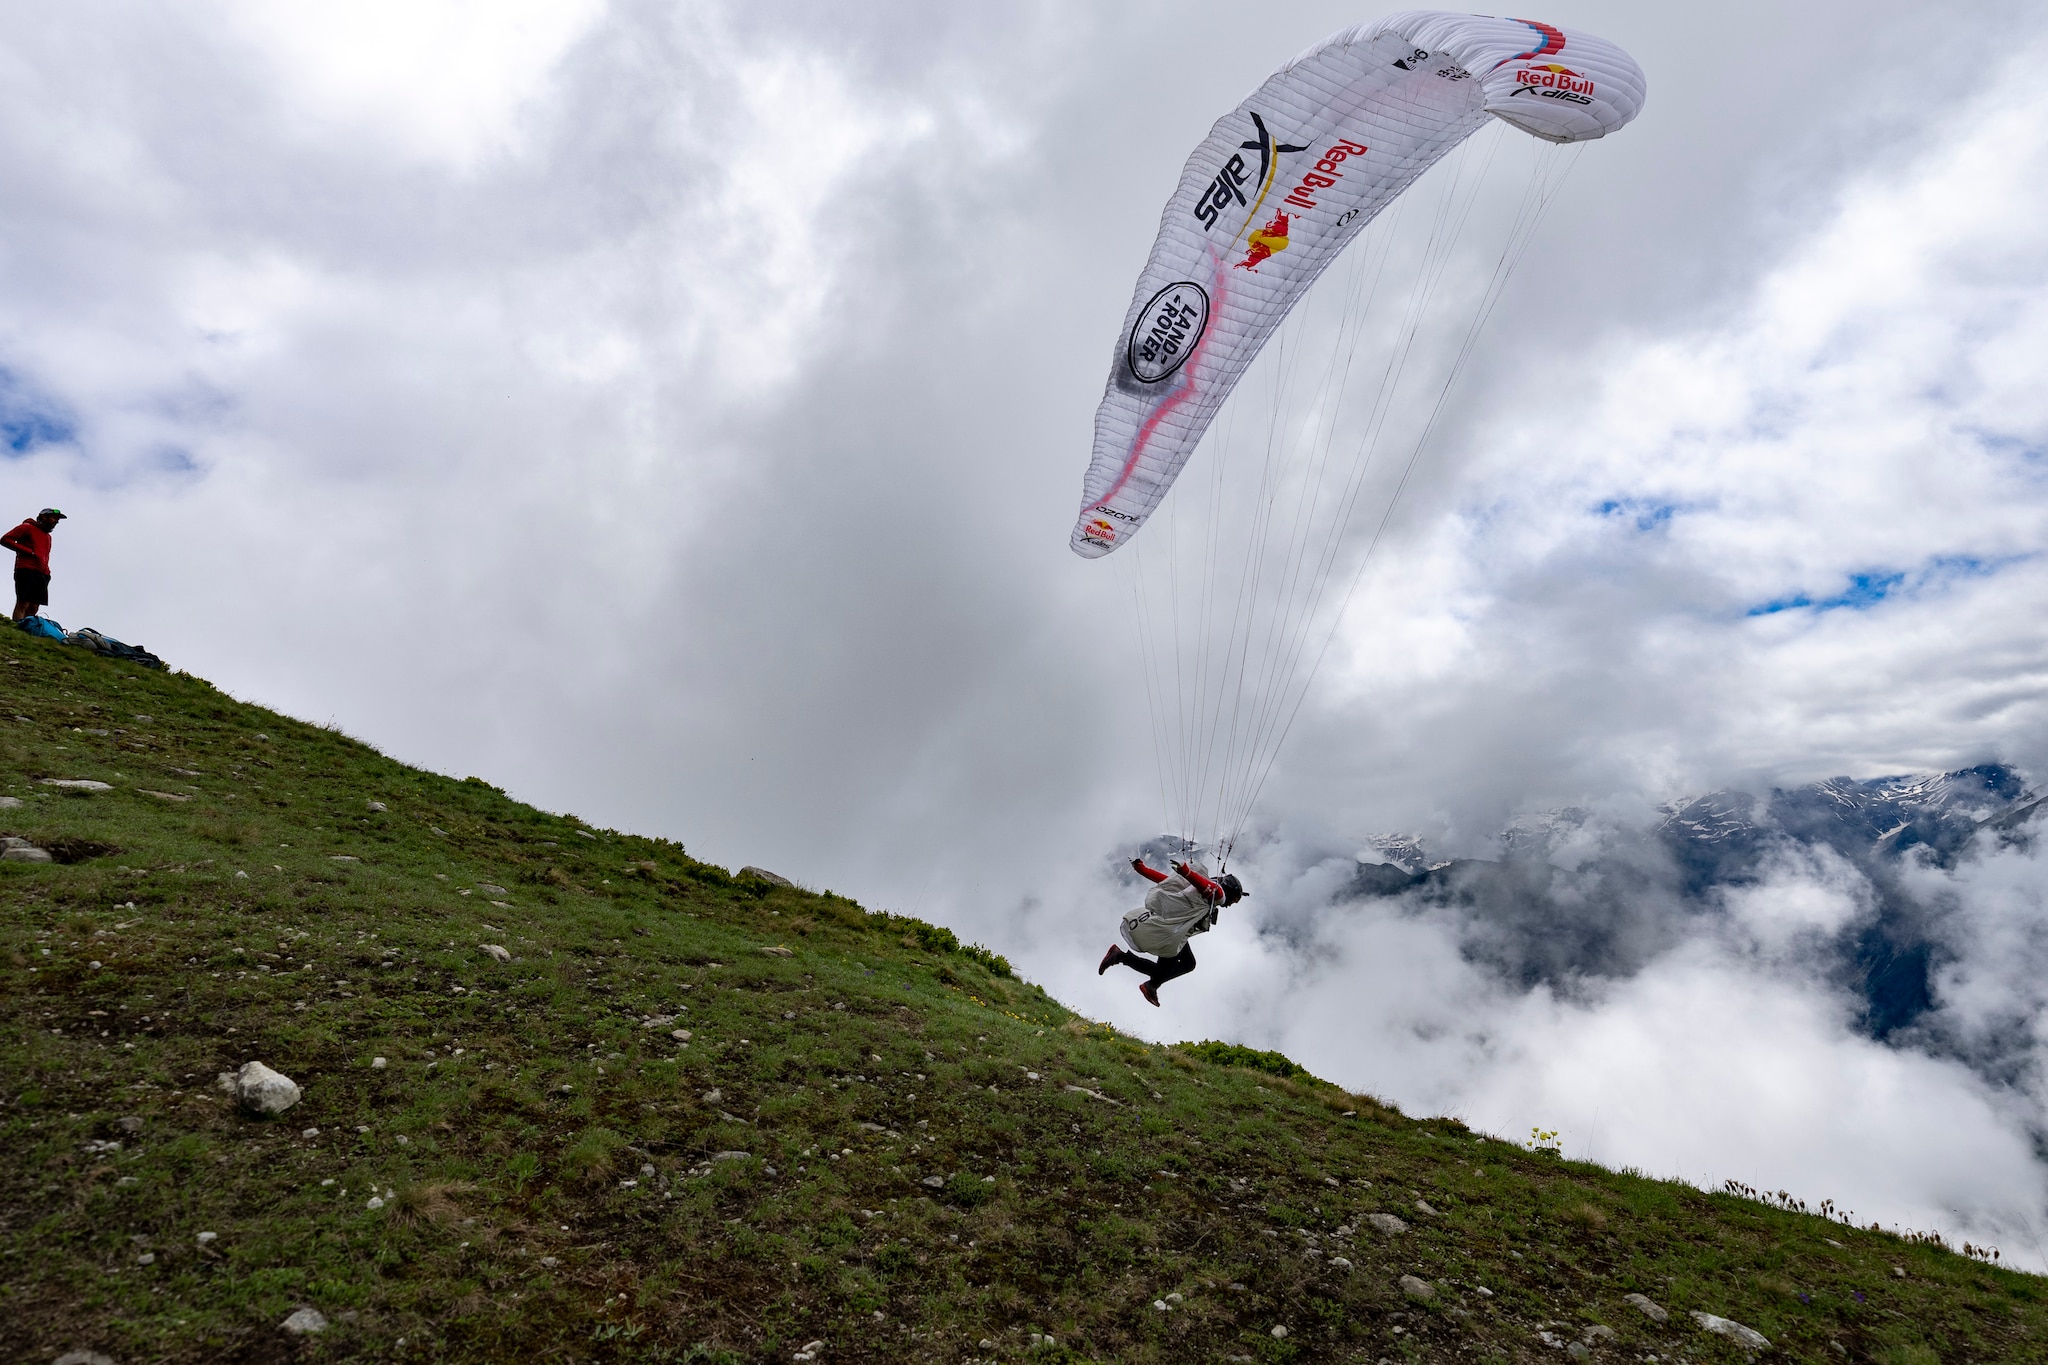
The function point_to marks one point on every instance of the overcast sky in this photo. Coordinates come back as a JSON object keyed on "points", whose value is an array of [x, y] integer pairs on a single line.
{"points": [[674, 413]]}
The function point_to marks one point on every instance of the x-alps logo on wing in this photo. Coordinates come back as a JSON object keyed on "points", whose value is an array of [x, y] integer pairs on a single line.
{"points": [[1230, 185]]}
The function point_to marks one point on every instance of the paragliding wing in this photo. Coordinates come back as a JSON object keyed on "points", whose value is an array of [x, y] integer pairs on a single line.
{"points": [[1281, 185]]}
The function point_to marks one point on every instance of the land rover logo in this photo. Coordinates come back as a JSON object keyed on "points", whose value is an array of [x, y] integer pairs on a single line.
{"points": [[1166, 331]]}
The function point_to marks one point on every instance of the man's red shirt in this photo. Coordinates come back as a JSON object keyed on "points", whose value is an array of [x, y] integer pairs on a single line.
{"points": [[31, 546]]}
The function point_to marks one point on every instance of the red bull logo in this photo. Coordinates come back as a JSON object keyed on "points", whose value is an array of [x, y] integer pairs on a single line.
{"points": [[1550, 76], [1264, 242], [1100, 531], [1325, 174]]}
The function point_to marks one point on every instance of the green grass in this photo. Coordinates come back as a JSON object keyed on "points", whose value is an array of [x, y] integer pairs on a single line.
{"points": [[936, 1154]]}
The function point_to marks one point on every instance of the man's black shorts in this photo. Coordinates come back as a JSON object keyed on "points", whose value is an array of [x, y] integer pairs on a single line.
{"points": [[30, 586]]}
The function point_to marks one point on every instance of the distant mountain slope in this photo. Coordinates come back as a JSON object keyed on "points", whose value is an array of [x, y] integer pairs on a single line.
{"points": [[1609, 913], [570, 1094]]}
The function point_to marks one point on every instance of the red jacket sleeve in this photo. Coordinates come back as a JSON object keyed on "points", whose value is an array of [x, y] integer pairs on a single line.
{"points": [[1207, 887], [1149, 874]]}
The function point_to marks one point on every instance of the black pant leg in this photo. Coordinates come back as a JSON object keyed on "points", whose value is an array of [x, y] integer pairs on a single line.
{"points": [[1167, 968]]}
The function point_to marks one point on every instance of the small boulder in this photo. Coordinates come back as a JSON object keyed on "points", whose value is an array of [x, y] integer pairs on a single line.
{"points": [[1647, 1308], [1417, 1288], [1422, 1206], [729, 1156], [765, 875], [304, 1322], [1597, 1333], [131, 1124], [263, 1091], [84, 1358], [935, 1182], [10, 803], [1727, 1327], [778, 951], [1387, 1223], [498, 951], [78, 784], [376, 805], [13, 850]]}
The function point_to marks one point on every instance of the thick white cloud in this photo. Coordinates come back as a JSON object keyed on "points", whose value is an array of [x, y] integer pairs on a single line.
{"points": [[675, 412]]}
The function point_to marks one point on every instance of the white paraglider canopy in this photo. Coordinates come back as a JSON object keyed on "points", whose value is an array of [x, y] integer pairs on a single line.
{"points": [[1236, 605]]}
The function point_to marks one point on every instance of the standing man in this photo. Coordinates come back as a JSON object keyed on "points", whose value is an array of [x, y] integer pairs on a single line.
{"points": [[30, 542]]}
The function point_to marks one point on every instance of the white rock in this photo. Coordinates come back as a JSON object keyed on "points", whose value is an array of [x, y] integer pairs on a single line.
{"points": [[378, 1063], [310, 1133], [1422, 1206], [497, 950], [1733, 1330], [933, 1181], [305, 1321], [773, 879], [681, 1035], [1387, 1223], [1279, 1333], [713, 1096], [494, 890], [1340, 1262], [80, 784], [375, 805], [206, 1237], [20, 852], [375, 1202], [264, 1091], [9, 802], [1417, 1288], [1649, 1309], [83, 1358]]}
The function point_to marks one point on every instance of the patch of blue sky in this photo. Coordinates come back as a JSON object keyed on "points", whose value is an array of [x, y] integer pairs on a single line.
{"points": [[1647, 514], [1862, 591], [30, 420]]}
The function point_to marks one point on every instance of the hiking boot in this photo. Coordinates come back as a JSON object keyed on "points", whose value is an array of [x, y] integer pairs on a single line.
{"points": [[1150, 992], [1110, 959]]}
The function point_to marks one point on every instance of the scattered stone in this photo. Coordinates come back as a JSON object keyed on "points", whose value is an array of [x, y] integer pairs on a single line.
{"points": [[1579, 1350], [10, 803], [1340, 1263], [130, 1124], [1279, 1333], [376, 1201], [375, 805], [765, 875], [241, 876], [84, 1358], [1733, 1330], [1649, 1309], [163, 796], [778, 951], [1598, 1332], [1422, 1206], [378, 1063], [729, 1156], [1899, 1271], [343, 858], [305, 1322], [1387, 1223], [549, 1262], [498, 951], [494, 890], [1417, 1288], [146, 1258], [933, 1181], [1833, 1243], [22, 851], [1159, 1305], [206, 1237], [310, 1133], [263, 1091], [713, 1096], [78, 784], [681, 1035]]}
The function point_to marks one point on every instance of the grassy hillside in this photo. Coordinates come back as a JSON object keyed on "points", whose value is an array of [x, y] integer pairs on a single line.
{"points": [[873, 1145]]}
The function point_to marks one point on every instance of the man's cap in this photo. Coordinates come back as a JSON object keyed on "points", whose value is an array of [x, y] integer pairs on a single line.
{"points": [[51, 512]]}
